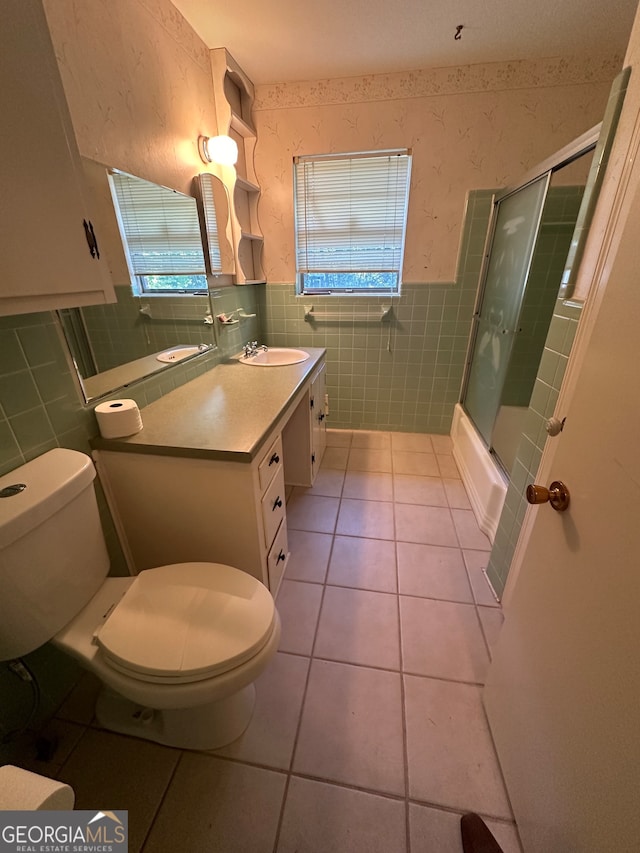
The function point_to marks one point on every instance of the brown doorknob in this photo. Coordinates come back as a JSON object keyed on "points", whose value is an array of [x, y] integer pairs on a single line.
{"points": [[557, 495]]}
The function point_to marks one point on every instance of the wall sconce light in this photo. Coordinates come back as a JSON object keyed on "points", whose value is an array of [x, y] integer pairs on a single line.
{"points": [[218, 149]]}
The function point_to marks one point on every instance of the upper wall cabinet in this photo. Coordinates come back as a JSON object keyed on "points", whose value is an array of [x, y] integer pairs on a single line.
{"points": [[49, 250], [234, 95]]}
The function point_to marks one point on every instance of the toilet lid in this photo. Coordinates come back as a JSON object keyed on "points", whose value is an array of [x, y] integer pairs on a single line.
{"points": [[187, 622]]}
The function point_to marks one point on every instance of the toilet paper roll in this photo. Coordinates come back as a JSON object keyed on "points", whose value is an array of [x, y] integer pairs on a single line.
{"points": [[118, 418], [22, 790]]}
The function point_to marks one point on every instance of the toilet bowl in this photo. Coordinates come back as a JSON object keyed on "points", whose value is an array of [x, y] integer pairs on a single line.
{"points": [[177, 648]]}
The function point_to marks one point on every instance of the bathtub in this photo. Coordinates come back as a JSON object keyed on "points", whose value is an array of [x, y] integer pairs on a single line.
{"points": [[485, 483]]}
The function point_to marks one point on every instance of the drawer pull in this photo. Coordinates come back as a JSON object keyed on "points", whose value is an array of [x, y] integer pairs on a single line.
{"points": [[274, 459], [281, 556], [277, 503]]}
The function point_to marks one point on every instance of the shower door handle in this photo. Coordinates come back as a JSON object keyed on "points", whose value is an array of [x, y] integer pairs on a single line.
{"points": [[557, 494]]}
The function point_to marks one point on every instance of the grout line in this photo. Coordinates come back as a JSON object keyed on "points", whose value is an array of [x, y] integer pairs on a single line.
{"points": [[161, 801]]}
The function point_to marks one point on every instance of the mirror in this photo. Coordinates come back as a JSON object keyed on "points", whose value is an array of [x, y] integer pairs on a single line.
{"points": [[159, 320]]}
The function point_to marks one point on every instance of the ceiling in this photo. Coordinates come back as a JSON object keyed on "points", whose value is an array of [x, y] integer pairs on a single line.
{"points": [[291, 40]]}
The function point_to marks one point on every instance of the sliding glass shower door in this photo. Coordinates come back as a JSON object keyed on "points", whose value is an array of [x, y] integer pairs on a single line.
{"points": [[515, 229]]}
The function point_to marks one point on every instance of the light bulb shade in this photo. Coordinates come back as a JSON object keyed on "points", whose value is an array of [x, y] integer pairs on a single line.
{"points": [[218, 149]]}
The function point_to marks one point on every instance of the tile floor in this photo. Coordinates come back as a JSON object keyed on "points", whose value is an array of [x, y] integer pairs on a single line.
{"points": [[369, 734]]}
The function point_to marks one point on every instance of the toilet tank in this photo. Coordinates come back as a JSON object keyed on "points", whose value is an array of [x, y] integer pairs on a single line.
{"points": [[53, 556]]}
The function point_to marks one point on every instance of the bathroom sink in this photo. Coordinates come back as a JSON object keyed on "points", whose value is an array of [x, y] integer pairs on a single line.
{"points": [[275, 356], [178, 353]]}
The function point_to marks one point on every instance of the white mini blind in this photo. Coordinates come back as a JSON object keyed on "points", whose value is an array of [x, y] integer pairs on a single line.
{"points": [[160, 227], [351, 212]]}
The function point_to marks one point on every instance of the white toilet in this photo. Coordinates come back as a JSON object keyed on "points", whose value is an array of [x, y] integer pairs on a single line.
{"points": [[177, 648]]}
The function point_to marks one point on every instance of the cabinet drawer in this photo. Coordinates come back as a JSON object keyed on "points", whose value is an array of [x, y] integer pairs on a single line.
{"points": [[273, 510], [270, 463], [278, 558]]}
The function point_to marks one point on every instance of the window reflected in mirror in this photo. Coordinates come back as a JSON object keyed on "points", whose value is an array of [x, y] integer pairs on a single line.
{"points": [[115, 344], [160, 233]]}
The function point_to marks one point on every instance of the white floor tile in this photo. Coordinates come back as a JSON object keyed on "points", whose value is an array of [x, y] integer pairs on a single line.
{"points": [[442, 444], [363, 564], [370, 519], [115, 782], [414, 441], [428, 525], [338, 437], [452, 761], [492, 621], [298, 605], [469, 533], [207, 803], [371, 439], [351, 727], [335, 457], [432, 571], [309, 555], [419, 464], [270, 737], [358, 626], [436, 831], [442, 639], [411, 489], [328, 483], [321, 818], [477, 562], [447, 465], [311, 512], [456, 494], [369, 459], [368, 485]]}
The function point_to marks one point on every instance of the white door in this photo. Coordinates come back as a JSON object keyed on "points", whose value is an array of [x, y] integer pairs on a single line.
{"points": [[563, 693]]}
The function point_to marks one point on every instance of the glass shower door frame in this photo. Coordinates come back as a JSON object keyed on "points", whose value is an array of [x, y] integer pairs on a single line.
{"points": [[507, 336]]}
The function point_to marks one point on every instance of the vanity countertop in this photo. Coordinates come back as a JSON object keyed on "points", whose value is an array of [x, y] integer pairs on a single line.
{"points": [[227, 413]]}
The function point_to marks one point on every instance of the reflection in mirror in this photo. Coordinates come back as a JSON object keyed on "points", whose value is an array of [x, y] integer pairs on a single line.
{"points": [[159, 306], [213, 206]]}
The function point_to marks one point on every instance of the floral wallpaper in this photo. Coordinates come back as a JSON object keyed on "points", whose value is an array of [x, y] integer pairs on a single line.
{"points": [[470, 127]]}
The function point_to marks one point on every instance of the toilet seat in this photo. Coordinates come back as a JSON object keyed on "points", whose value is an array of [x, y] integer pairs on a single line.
{"points": [[187, 622]]}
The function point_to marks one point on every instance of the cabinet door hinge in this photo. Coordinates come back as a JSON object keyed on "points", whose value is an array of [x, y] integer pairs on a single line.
{"points": [[311, 403], [313, 458]]}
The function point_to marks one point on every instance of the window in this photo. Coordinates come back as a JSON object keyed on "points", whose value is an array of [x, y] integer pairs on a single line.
{"points": [[350, 216], [161, 233]]}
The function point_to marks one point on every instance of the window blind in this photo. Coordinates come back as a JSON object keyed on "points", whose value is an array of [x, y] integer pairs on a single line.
{"points": [[160, 227], [351, 212]]}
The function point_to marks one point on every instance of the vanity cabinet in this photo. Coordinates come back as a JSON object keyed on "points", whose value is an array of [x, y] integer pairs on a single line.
{"points": [[234, 95], [49, 250], [305, 434], [205, 479], [175, 509]]}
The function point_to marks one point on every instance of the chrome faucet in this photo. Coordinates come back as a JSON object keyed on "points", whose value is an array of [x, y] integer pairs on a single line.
{"points": [[251, 348]]}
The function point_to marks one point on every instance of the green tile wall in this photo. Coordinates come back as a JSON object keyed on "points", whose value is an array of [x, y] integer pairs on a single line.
{"points": [[41, 408], [118, 332], [404, 374], [559, 341]]}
